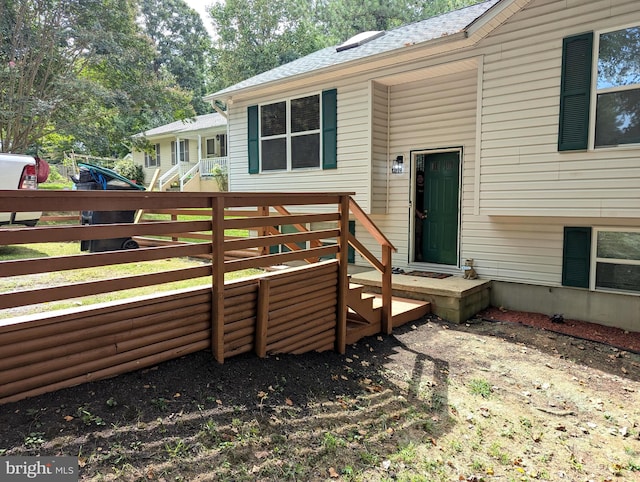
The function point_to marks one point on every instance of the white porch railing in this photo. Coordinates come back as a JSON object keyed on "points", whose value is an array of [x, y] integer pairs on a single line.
{"points": [[176, 171], [183, 171], [188, 175], [208, 166]]}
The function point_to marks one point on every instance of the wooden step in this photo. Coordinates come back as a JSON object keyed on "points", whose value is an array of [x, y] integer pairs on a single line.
{"points": [[405, 310], [355, 289], [361, 306]]}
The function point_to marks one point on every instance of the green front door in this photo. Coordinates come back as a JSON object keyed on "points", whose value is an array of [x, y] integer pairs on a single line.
{"points": [[440, 226]]}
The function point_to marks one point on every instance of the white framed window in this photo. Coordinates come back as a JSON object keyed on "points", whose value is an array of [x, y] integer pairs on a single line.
{"points": [[290, 134], [615, 101], [182, 152], [211, 147], [217, 146], [615, 260], [152, 160]]}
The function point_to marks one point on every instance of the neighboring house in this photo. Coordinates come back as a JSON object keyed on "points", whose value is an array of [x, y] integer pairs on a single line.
{"points": [[524, 116], [200, 144]]}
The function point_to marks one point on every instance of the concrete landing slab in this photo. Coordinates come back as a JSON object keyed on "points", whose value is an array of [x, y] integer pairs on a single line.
{"points": [[453, 298]]}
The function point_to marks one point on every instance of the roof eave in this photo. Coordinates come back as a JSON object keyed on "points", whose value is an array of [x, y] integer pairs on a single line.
{"points": [[497, 13], [357, 65]]}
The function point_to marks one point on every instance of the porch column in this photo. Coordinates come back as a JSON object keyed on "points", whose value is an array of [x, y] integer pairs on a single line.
{"points": [[178, 156]]}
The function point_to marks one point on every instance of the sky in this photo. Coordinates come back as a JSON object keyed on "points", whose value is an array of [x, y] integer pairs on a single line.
{"points": [[200, 6]]}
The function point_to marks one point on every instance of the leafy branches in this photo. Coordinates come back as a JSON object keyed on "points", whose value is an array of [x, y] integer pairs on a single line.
{"points": [[80, 68]]}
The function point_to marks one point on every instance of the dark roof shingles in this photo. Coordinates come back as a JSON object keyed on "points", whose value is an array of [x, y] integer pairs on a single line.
{"points": [[418, 32]]}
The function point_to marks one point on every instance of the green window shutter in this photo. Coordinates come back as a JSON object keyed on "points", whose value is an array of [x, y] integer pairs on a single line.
{"points": [[351, 252], [575, 92], [330, 129], [253, 138], [576, 257]]}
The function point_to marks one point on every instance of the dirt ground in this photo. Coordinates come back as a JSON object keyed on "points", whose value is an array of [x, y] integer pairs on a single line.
{"points": [[487, 400]]}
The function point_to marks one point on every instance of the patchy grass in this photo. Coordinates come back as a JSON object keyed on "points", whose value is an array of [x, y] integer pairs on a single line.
{"points": [[480, 387]]}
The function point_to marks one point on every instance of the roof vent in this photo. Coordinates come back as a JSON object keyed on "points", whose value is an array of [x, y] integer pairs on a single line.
{"points": [[360, 39]]}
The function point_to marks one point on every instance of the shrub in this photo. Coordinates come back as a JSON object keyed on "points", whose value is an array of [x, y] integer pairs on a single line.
{"points": [[127, 168], [221, 175]]}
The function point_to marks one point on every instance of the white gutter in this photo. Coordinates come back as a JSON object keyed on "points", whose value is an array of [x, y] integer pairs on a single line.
{"points": [[217, 109]]}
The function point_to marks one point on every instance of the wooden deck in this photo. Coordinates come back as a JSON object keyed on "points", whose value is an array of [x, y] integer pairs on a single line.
{"points": [[364, 314], [295, 310]]}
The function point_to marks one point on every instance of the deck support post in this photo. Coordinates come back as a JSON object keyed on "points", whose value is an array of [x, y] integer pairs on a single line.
{"points": [[343, 276], [262, 317], [387, 317], [263, 231], [217, 278], [174, 218]]}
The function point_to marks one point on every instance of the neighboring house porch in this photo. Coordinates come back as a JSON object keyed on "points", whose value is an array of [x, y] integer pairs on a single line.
{"points": [[189, 155]]}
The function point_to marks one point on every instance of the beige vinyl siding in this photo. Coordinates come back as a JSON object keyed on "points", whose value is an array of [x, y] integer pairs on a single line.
{"points": [[165, 152], [528, 190], [515, 249], [165, 159], [380, 148], [239, 179], [524, 249], [354, 149], [435, 113], [522, 172]]}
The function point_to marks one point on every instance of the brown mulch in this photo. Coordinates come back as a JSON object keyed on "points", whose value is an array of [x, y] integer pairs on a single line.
{"points": [[616, 337]]}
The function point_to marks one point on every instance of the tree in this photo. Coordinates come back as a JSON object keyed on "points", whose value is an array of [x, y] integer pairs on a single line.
{"points": [[343, 19], [83, 70], [257, 35], [182, 43], [38, 60]]}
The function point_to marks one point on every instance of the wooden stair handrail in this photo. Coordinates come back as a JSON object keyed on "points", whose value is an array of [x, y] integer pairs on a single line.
{"points": [[365, 253], [300, 227], [383, 267], [369, 225]]}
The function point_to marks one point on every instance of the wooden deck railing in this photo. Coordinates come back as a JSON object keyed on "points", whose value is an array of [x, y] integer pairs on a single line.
{"points": [[196, 219], [236, 231], [239, 245]]}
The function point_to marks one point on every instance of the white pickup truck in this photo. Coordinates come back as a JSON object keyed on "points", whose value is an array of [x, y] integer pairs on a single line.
{"points": [[18, 172]]}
